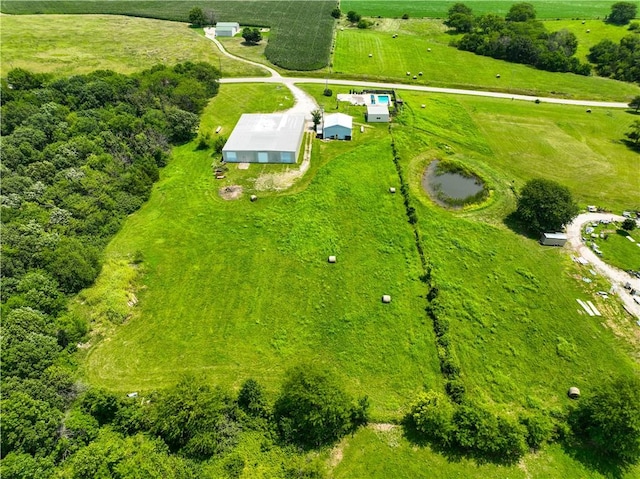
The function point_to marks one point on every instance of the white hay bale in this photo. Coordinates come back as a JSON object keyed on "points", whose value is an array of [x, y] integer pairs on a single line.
{"points": [[423, 106], [428, 49], [386, 298], [254, 197], [370, 55], [332, 259], [574, 392], [392, 190]]}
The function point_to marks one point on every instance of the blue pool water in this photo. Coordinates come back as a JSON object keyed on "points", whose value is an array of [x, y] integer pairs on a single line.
{"points": [[383, 99]]}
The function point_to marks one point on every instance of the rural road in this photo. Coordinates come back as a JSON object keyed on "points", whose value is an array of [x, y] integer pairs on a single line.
{"points": [[305, 103], [617, 277]]}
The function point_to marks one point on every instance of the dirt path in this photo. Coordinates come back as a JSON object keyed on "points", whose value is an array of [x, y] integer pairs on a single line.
{"points": [[617, 277]]}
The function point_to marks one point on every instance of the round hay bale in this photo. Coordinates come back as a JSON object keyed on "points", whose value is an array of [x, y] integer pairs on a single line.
{"points": [[428, 49], [420, 73], [423, 106], [573, 393], [408, 73], [498, 75], [392, 190], [370, 55], [386, 298], [414, 77], [254, 197], [589, 110], [332, 259]]}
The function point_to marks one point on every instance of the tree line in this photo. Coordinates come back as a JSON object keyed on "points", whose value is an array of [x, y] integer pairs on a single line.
{"points": [[517, 38]]}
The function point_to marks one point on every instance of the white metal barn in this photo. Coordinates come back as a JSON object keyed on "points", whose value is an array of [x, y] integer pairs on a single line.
{"points": [[377, 113], [265, 138], [227, 29]]}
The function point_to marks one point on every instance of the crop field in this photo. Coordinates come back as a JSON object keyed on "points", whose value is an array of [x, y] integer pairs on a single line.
{"points": [[62, 45], [300, 30], [438, 8], [444, 65]]}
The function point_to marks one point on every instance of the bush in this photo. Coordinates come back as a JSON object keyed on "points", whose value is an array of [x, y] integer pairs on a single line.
{"points": [[364, 24], [629, 224], [405, 16], [327, 92], [539, 428], [432, 416], [455, 390], [336, 13]]}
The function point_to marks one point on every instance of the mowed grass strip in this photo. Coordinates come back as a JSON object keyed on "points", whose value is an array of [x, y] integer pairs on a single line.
{"points": [[239, 289], [446, 66], [438, 9], [301, 29], [71, 45]]}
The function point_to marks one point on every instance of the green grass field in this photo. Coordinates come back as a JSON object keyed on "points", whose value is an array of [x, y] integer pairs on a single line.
{"points": [[438, 8], [231, 290], [617, 249], [63, 45], [301, 29], [446, 66], [240, 289]]}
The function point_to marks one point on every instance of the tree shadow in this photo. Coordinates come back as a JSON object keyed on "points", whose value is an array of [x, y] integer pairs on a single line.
{"points": [[592, 460], [631, 145], [450, 452], [633, 112], [249, 44], [513, 222]]}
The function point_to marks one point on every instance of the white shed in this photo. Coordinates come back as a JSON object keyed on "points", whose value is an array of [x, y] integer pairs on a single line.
{"points": [[265, 138], [553, 239], [227, 29], [377, 113]]}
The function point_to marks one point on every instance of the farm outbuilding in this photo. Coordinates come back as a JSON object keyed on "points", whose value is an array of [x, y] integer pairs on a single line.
{"points": [[227, 29], [337, 126], [265, 138], [377, 113], [553, 239]]}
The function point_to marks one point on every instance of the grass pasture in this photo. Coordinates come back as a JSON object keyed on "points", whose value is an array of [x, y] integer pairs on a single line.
{"points": [[239, 289], [445, 66], [62, 45], [439, 8], [617, 249], [301, 30]]}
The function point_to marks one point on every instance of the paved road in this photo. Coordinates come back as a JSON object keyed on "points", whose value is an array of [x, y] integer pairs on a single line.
{"points": [[617, 277]]}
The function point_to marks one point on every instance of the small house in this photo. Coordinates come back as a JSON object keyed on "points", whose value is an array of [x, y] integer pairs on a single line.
{"points": [[227, 29], [553, 239], [265, 138], [377, 113], [337, 126]]}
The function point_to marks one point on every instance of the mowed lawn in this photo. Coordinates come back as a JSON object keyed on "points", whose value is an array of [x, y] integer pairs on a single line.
{"points": [[439, 8], [237, 289], [445, 66], [77, 44]]}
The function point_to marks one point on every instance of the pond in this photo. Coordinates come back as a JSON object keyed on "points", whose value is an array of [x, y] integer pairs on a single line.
{"points": [[451, 189]]}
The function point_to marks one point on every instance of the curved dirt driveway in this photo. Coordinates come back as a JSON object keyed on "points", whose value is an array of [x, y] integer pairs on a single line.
{"points": [[617, 277]]}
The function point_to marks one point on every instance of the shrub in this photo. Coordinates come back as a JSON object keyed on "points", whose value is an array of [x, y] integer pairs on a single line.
{"points": [[336, 13], [629, 224], [455, 390], [432, 416], [327, 92], [405, 16], [539, 429]]}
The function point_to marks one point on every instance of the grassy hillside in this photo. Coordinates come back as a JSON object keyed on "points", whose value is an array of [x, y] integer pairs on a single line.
{"points": [[301, 30], [439, 8], [444, 65], [69, 45]]}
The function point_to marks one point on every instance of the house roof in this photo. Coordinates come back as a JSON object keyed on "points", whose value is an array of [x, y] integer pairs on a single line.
{"points": [[377, 110], [227, 25], [266, 132], [338, 119]]}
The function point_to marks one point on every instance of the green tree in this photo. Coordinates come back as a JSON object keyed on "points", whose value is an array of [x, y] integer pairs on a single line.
{"points": [[622, 13], [608, 420], [629, 224], [635, 104], [336, 13], [197, 17], [460, 18], [316, 116], [28, 425], [353, 16], [313, 410], [432, 416], [251, 35], [634, 133], [544, 205], [521, 12], [25, 466], [252, 400]]}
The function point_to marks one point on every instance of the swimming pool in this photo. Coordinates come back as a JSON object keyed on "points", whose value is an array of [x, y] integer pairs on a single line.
{"points": [[383, 99]]}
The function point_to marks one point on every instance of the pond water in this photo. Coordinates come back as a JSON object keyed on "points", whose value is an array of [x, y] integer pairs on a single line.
{"points": [[451, 185]]}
